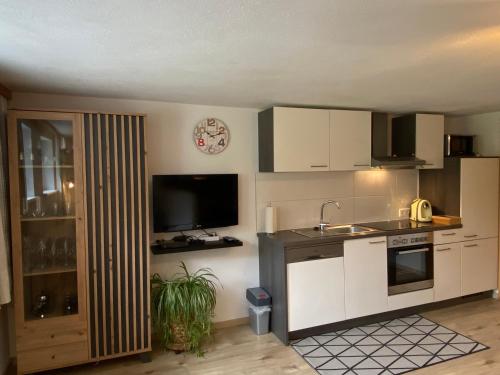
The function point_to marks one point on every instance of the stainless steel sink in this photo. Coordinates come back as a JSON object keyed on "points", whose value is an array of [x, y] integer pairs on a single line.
{"points": [[335, 230]]}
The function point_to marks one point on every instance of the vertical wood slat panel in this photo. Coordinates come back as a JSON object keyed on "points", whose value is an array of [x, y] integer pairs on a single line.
{"points": [[96, 171], [145, 231], [101, 238], [117, 236], [109, 264], [132, 231], [126, 252], [140, 305], [118, 252]]}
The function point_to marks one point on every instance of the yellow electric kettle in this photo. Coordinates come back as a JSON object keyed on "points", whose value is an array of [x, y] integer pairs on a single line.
{"points": [[421, 210]]}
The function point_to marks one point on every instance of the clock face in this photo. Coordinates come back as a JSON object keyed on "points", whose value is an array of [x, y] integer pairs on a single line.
{"points": [[211, 136]]}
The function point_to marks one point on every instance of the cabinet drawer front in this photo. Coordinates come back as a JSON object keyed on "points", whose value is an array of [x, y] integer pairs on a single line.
{"points": [[301, 254], [33, 338], [52, 357], [448, 236], [419, 297]]}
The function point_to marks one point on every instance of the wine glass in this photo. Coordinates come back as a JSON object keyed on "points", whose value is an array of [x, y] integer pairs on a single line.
{"points": [[27, 254], [42, 254], [25, 208]]}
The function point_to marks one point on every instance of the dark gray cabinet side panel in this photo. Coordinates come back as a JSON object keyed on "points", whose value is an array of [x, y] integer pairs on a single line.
{"points": [[273, 278], [380, 131], [266, 141], [442, 187]]}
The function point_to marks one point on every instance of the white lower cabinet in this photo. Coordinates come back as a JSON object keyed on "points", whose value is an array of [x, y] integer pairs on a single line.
{"points": [[315, 293], [365, 262], [479, 265], [447, 271]]}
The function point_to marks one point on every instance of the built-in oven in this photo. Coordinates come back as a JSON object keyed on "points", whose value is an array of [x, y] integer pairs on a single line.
{"points": [[410, 264]]}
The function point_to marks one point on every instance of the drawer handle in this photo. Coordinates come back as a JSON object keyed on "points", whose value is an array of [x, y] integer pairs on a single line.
{"points": [[375, 242], [52, 336], [361, 165], [471, 236], [444, 249], [474, 245], [449, 234], [319, 166], [53, 356]]}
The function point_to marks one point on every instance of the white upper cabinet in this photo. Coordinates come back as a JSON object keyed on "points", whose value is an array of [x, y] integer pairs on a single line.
{"points": [[479, 197], [429, 144], [301, 139], [365, 265], [350, 140]]}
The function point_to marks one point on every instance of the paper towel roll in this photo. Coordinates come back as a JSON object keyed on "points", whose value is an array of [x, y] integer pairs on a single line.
{"points": [[271, 219]]}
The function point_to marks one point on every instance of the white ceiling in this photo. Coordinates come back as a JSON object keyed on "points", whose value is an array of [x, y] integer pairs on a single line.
{"points": [[425, 55]]}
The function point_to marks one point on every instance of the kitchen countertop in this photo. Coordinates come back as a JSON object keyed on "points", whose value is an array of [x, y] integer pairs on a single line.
{"points": [[384, 228]]}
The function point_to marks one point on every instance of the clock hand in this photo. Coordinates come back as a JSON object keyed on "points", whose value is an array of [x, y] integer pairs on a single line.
{"points": [[213, 136]]}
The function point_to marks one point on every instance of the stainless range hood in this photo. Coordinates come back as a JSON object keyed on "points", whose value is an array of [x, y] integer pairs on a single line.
{"points": [[393, 141], [397, 162]]}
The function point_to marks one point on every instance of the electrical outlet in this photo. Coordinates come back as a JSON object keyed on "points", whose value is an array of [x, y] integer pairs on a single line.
{"points": [[404, 212]]}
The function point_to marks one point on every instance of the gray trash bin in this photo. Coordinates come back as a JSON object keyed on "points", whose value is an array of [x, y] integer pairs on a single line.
{"points": [[259, 310]]}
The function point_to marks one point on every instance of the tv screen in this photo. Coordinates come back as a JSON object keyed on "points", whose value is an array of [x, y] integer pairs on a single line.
{"points": [[185, 202]]}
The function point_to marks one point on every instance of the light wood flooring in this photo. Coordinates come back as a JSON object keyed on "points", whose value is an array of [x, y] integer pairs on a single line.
{"points": [[238, 351]]}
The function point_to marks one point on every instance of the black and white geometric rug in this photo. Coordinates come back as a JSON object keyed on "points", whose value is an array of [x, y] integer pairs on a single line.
{"points": [[391, 347]]}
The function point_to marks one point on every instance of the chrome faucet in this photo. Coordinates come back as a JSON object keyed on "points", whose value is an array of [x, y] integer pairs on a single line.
{"points": [[322, 225]]}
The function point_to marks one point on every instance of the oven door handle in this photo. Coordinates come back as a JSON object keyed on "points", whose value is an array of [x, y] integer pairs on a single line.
{"points": [[403, 252]]}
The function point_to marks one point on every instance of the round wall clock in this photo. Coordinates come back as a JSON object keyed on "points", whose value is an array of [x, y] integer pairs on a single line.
{"points": [[211, 136]]}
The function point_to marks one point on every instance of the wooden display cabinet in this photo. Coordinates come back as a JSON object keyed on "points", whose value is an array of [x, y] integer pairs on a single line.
{"points": [[48, 239]]}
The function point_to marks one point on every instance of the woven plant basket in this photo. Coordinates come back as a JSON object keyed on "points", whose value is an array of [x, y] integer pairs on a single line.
{"points": [[178, 343]]}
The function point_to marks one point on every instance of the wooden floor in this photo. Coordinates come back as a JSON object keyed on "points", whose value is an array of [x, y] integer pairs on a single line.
{"points": [[237, 351]]}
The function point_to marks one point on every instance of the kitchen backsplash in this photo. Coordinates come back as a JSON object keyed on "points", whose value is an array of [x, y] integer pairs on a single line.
{"points": [[365, 196]]}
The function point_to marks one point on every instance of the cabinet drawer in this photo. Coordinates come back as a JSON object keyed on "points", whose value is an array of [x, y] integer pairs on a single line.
{"points": [[52, 357], [33, 338], [302, 254], [448, 236]]}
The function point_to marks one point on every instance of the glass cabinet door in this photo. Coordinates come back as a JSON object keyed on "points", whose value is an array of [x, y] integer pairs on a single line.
{"points": [[47, 217]]}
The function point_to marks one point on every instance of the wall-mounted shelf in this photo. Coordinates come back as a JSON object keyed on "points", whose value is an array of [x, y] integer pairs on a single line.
{"points": [[165, 249]]}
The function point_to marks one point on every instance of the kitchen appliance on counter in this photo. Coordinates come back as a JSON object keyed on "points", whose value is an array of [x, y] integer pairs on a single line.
{"points": [[421, 210], [459, 145], [410, 262]]}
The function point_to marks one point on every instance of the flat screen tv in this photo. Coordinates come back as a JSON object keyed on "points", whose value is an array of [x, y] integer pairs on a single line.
{"points": [[186, 202]]}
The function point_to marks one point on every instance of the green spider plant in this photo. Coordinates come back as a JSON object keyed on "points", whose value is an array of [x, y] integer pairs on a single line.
{"points": [[184, 304]]}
